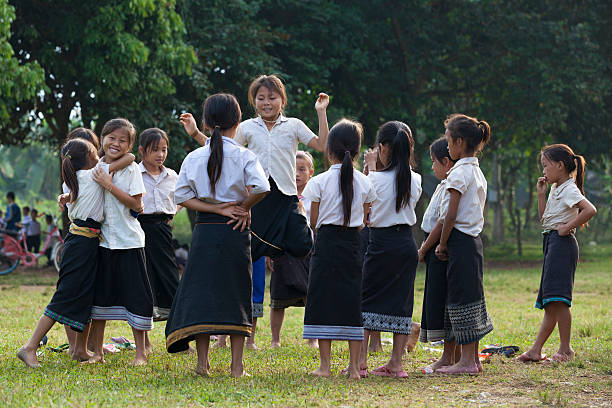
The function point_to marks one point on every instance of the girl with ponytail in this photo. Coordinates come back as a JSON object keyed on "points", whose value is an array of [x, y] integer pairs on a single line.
{"points": [[565, 210], [221, 181], [340, 199], [391, 259], [72, 302]]}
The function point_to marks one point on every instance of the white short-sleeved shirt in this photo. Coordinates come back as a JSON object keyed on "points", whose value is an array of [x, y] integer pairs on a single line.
{"points": [[324, 188], [433, 213], [306, 203], [90, 201], [467, 178], [120, 229], [159, 198], [240, 170], [276, 148], [33, 228], [561, 205], [383, 212]]}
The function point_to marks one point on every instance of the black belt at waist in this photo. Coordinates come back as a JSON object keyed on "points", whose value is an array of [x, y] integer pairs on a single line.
{"points": [[155, 218]]}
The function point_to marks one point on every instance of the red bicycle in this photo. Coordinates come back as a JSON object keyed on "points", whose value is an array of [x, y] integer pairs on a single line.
{"points": [[13, 251]]}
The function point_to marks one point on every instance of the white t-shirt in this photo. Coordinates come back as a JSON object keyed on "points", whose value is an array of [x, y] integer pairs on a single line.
{"points": [[240, 169], [90, 201], [120, 229], [324, 188], [383, 212], [561, 205], [467, 178], [433, 213], [159, 198], [276, 148]]}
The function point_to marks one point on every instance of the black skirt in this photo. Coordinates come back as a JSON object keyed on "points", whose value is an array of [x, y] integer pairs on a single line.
{"points": [[289, 282], [161, 263], [333, 303], [434, 298], [388, 280], [214, 294], [467, 319], [73, 298], [123, 290], [560, 260], [278, 226]]}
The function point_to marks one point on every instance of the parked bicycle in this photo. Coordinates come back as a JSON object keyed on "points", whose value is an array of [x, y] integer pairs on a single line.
{"points": [[13, 250]]}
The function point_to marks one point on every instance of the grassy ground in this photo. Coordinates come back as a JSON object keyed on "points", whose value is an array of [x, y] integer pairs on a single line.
{"points": [[279, 376]]}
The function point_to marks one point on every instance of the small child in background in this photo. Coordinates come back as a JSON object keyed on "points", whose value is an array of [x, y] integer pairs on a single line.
{"points": [[33, 233], [25, 221], [49, 230], [565, 210], [340, 199], [12, 216], [2, 222]]}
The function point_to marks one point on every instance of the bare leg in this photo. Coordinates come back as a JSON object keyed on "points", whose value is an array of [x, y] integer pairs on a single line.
{"points": [[71, 336], [147, 344], [202, 346], [399, 345], [564, 322], [375, 342], [221, 341], [447, 359], [80, 348], [250, 343], [237, 344], [413, 338], [477, 357], [27, 353], [276, 323], [96, 334], [324, 369], [546, 328], [354, 352], [141, 353], [363, 355], [467, 363]]}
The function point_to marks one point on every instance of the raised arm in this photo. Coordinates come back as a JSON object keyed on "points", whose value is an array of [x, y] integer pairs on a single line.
{"points": [[191, 128], [541, 189], [318, 143], [106, 180], [121, 162]]}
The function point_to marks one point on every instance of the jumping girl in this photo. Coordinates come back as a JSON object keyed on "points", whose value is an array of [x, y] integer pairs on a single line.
{"points": [[222, 181], [339, 199], [460, 243], [434, 298], [289, 278], [123, 290], [391, 258], [565, 210], [71, 304]]}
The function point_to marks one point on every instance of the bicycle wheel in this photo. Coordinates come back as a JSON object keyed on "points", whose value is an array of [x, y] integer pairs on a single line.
{"points": [[7, 265], [56, 254], [10, 253]]}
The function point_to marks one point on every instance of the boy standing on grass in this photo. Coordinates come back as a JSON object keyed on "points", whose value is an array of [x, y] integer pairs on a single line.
{"points": [[50, 227], [13, 214], [32, 231]]}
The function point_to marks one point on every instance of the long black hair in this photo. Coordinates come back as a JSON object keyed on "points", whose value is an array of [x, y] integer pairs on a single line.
{"points": [[571, 161], [476, 133], [439, 150], [343, 144], [221, 112], [398, 138], [75, 156]]}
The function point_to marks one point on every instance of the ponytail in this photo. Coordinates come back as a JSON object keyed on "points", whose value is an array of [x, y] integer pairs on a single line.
{"points": [[346, 186], [70, 177], [571, 161], [476, 133], [580, 165], [215, 161], [75, 156]]}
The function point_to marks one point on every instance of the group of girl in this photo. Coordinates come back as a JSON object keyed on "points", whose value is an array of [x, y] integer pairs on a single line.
{"points": [[254, 202]]}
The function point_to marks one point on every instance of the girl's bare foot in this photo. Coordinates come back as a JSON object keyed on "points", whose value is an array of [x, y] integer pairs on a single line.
{"points": [[139, 361], [354, 375], [252, 346], [313, 343], [459, 369], [530, 356], [560, 357], [319, 372], [80, 357], [28, 357], [96, 358], [479, 366], [203, 371], [275, 344], [430, 369], [148, 349], [413, 338]]}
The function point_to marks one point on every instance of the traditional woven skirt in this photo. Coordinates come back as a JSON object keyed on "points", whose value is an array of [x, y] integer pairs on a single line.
{"points": [[434, 298], [388, 279], [560, 260], [333, 303], [161, 263], [259, 286], [466, 317], [364, 240], [73, 298], [123, 290], [289, 282], [278, 226], [214, 294]]}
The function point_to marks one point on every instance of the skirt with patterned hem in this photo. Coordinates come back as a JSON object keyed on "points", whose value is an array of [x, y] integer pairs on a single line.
{"points": [[389, 271], [161, 262], [214, 295], [466, 316], [72, 301], [289, 282], [123, 290], [558, 270], [434, 298], [278, 226], [333, 302], [259, 286]]}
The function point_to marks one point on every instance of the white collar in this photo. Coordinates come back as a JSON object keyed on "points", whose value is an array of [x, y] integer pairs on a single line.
{"points": [[261, 121], [465, 161], [143, 169]]}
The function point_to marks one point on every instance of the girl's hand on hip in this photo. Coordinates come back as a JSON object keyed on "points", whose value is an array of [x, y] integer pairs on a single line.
{"points": [[102, 178], [189, 124], [322, 102], [564, 230], [442, 252], [542, 186]]}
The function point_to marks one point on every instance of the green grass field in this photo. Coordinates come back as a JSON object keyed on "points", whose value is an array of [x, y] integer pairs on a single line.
{"points": [[280, 376]]}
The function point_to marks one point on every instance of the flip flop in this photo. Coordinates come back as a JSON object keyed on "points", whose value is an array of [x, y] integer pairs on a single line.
{"points": [[507, 351], [383, 371], [60, 348]]}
